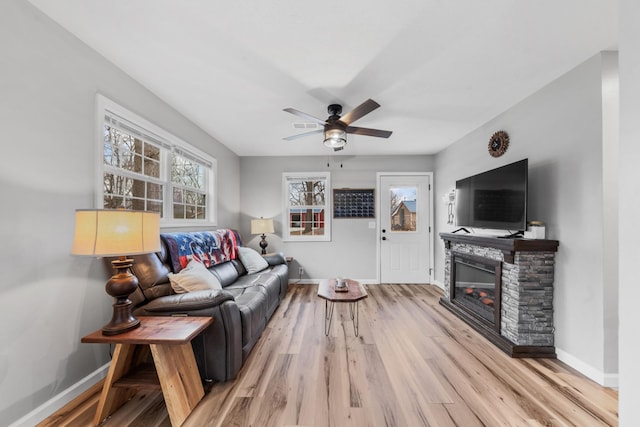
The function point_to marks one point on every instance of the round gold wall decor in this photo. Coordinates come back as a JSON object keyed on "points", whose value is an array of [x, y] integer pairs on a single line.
{"points": [[498, 143]]}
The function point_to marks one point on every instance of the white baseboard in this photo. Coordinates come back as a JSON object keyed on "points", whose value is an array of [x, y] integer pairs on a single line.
{"points": [[438, 283], [61, 399], [302, 282], [611, 381], [368, 281], [605, 380]]}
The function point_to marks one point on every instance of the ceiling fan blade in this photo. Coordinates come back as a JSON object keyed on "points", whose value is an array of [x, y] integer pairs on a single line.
{"points": [[291, 138], [369, 132], [365, 108], [304, 115]]}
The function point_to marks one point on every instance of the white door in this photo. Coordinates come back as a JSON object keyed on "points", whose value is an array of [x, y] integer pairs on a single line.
{"points": [[405, 242]]}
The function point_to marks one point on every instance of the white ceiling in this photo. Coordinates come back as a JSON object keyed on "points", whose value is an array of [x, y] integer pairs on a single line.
{"points": [[439, 68]]}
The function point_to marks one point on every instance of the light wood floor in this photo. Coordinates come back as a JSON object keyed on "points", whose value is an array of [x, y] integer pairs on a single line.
{"points": [[414, 364]]}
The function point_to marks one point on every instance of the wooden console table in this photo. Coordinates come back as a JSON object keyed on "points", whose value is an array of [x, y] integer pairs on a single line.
{"points": [[174, 367]]}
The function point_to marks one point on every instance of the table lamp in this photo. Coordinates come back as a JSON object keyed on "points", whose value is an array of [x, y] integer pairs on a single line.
{"points": [[262, 226], [117, 233]]}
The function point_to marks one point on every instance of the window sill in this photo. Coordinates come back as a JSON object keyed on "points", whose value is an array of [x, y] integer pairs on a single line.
{"points": [[186, 223]]}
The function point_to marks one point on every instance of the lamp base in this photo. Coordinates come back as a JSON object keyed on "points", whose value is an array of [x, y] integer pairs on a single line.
{"points": [[120, 286], [263, 244], [122, 320]]}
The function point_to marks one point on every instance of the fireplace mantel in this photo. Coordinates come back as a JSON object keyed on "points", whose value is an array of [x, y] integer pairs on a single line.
{"points": [[524, 280], [508, 246]]}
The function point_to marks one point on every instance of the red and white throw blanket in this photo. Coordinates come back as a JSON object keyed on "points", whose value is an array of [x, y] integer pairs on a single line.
{"points": [[206, 247]]}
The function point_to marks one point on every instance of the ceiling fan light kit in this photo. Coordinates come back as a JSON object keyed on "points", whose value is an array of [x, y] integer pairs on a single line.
{"points": [[335, 138], [336, 128], [335, 134]]}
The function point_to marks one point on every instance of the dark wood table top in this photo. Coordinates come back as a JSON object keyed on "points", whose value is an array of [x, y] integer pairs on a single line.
{"points": [[326, 290], [155, 330]]}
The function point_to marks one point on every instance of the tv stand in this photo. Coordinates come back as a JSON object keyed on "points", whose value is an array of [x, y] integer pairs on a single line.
{"points": [[461, 229], [523, 279]]}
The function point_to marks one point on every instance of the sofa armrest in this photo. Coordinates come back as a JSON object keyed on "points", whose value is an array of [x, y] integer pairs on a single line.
{"points": [[218, 349], [275, 258], [181, 303]]}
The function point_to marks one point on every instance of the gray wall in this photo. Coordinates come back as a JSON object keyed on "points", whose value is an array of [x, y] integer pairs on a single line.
{"points": [[49, 299], [629, 234], [352, 249], [560, 130]]}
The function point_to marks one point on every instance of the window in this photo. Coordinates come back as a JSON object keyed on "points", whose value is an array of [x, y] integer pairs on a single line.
{"points": [[403, 202], [306, 206], [143, 167]]}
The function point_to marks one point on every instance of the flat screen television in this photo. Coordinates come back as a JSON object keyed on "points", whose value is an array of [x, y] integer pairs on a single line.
{"points": [[495, 199]]}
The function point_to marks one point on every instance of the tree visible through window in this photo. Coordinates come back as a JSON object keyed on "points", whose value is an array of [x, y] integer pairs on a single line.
{"points": [[403, 208], [306, 207], [142, 170], [189, 197], [132, 172]]}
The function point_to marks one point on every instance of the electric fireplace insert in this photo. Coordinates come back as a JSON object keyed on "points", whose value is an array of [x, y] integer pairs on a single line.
{"points": [[476, 288]]}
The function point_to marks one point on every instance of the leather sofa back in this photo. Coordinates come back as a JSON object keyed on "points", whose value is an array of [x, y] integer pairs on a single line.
{"points": [[226, 272], [152, 270]]}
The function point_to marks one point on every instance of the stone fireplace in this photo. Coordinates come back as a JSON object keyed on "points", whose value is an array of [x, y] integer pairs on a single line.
{"points": [[503, 288]]}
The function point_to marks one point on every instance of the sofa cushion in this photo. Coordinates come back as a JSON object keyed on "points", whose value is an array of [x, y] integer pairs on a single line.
{"points": [[151, 271], [266, 280], [282, 271], [226, 273], [251, 260], [194, 277], [252, 303], [239, 267]]}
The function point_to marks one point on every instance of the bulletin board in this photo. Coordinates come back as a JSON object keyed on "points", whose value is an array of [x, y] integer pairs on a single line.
{"points": [[354, 203]]}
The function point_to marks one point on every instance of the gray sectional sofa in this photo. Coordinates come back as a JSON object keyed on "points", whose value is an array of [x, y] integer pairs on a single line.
{"points": [[241, 309]]}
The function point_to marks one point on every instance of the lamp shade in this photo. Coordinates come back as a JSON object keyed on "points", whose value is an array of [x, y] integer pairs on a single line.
{"points": [[262, 226], [115, 232]]}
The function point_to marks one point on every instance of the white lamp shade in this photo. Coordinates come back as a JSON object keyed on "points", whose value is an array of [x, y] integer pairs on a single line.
{"points": [[115, 232], [262, 226]]}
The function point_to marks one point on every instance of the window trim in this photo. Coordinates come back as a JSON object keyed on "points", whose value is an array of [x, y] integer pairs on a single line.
{"points": [[168, 142], [288, 176]]}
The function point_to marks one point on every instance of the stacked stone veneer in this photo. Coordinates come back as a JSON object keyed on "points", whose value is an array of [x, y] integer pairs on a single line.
{"points": [[527, 293]]}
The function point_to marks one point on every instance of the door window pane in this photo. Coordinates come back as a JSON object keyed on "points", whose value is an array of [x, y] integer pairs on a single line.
{"points": [[403, 208]]}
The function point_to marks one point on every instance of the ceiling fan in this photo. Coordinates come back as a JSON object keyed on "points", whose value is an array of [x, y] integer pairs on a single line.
{"points": [[336, 127]]}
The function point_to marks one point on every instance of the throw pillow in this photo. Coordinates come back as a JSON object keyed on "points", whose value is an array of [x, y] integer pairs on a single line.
{"points": [[194, 277], [252, 260]]}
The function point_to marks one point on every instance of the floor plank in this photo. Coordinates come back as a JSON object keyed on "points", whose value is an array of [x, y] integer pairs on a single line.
{"points": [[413, 364]]}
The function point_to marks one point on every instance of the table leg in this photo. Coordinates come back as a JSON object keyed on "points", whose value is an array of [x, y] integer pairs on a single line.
{"points": [[179, 379], [353, 312], [328, 316], [125, 356]]}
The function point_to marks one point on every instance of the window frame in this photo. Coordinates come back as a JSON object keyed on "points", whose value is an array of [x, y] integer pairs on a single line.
{"points": [[288, 177], [168, 144]]}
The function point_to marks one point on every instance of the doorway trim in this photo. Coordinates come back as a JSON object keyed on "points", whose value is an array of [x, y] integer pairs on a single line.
{"points": [[379, 176]]}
